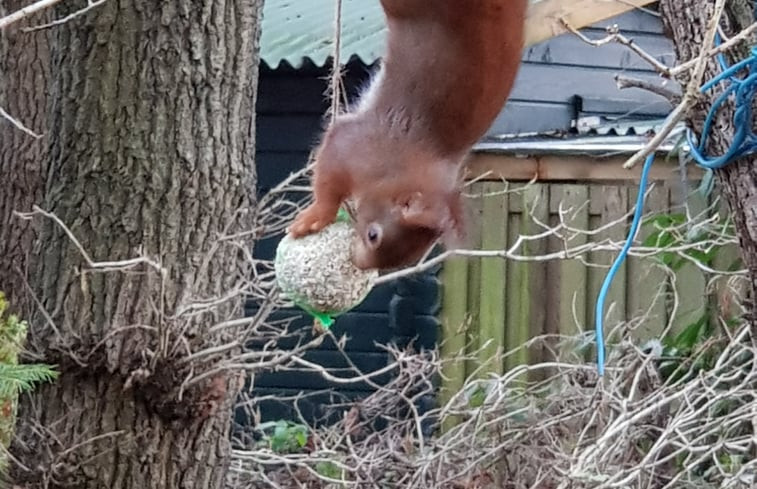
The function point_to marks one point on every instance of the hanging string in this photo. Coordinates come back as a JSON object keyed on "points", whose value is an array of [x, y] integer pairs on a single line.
{"points": [[336, 70]]}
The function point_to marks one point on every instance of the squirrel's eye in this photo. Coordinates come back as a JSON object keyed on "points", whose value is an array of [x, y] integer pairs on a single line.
{"points": [[374, 234]]}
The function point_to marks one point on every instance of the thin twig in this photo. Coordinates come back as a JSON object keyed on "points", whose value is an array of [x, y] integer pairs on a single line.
{"points": [[623, 82], [614, 35], [725, 46], [18, 124], [25, 12], [90, 5], [96, 265]]}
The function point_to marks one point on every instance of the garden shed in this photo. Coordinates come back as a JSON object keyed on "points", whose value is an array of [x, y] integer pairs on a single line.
{"points": [[565, 132]]}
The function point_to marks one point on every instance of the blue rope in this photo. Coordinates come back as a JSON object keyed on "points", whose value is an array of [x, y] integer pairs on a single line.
{"points": [[599, 313], [744, 139], [744, 143]]}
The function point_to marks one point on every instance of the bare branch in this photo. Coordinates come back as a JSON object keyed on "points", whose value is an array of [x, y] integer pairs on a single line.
{"points": [[90, 5], [25, 12], [722, 48], [105, 266], [614, 35], [623, 82], [18, 124]]}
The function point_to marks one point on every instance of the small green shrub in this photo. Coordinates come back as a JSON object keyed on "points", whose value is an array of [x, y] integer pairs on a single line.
{"points": [[284, 436], [14, 378]]}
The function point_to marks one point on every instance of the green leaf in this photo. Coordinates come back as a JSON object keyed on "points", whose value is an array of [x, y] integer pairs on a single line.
{"points": [[705, 258], [301, 437], [477, 397], [691, 335], [329, 470]]}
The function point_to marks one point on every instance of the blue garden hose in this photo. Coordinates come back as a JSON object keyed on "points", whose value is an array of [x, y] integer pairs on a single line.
{"points": [[744, 143]]}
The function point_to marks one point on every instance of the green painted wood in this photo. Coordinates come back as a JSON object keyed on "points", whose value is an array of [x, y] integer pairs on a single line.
{"points": [[573, 274], [492, 305], [454, 324], [536, 199], [511, 302], [518, 290], [594, 275], [475, 207]]}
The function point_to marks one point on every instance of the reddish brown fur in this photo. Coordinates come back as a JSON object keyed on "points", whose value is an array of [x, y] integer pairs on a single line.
{"points": [[447, 72]]}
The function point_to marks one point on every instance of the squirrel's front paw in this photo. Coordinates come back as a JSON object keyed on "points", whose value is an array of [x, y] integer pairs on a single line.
{"points": [[309, 221]]}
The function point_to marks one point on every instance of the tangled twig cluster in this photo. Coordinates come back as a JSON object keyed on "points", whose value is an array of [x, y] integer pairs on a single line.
{"points": [[652, 421]]}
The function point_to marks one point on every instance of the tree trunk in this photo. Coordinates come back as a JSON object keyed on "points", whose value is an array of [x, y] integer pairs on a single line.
{"points": [[149, 144], [687, 22], [25, 72]]}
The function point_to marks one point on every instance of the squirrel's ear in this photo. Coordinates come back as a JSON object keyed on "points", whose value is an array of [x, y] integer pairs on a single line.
{"points": [[420, 210], [443, 214]]}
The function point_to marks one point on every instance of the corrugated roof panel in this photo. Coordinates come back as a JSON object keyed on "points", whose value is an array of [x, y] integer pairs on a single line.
{"points": [[602, 139], [296, 30]]}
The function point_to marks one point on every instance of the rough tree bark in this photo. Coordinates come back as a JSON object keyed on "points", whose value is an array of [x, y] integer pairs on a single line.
{"points": [[25, 74], [148, 113], [687, 22]]}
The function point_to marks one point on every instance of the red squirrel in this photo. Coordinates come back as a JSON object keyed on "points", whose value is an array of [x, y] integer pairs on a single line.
{"points": [[398, 153]]}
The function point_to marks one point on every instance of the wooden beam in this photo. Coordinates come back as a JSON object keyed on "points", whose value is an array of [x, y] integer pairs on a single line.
{"points": [[543, 20], [490, 166]]}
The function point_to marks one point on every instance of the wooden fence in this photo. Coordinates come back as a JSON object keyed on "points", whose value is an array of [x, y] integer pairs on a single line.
{"points": [[511, 301]]}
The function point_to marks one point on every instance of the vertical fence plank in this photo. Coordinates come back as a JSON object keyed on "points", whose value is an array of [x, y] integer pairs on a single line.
{"points": [[518, 286], [493, 271], [594, 275], [454, 323], [552, 287], [690, 282], [611, 202], [476, 222], [647, 282], [573, 275], [536, 216]]}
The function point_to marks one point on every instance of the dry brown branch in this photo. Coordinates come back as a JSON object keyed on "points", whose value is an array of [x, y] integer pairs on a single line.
{"points": [[567, 234], [90, 5], [694, 67]]}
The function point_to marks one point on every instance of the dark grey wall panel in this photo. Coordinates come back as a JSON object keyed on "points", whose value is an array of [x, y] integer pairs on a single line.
{"points": [[638, 20], [570, 50], [524, 117], [558, 84]]}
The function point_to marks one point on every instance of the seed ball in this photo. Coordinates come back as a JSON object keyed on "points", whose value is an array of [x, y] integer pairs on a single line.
{"points": [[316, 271]]}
